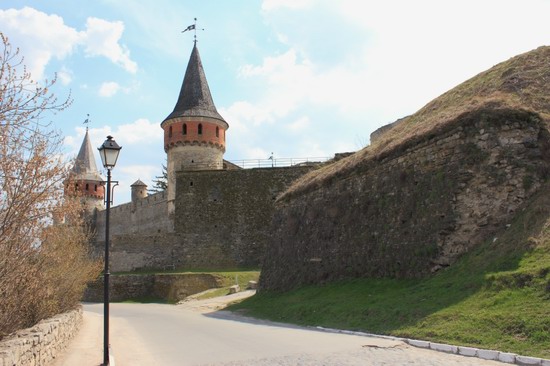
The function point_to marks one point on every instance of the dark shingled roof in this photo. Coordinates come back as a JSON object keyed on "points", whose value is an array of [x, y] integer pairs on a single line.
{"points": [[84, 165], [195, 99], [138, 183]]}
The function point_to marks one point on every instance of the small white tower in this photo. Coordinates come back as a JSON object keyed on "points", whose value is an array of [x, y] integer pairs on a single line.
{"points": [[139, 190]]}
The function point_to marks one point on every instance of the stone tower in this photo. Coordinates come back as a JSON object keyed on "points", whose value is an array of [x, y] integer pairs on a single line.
{"points": [[139, 190], [85, 181], [194, 133]]}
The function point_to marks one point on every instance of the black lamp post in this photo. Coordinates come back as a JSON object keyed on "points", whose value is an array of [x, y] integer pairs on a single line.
{"points": [[109, 155]]}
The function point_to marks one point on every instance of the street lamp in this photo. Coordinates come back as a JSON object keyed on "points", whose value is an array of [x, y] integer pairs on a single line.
{"points": [[109, 155]]}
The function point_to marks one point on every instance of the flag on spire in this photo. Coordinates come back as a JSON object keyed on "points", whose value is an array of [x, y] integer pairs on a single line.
{"points": [[191, 27]]}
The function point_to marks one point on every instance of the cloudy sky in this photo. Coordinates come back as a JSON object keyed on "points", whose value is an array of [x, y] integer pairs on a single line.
{"points": [[299, 78]]}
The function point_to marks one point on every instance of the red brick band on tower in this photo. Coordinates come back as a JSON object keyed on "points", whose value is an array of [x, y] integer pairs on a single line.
{"points": [[194, 119]]}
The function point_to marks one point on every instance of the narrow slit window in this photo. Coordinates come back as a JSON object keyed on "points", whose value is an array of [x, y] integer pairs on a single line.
{"points": [[200, 128], [170, 132], [87, 186], [217, 132], [184, 130]]}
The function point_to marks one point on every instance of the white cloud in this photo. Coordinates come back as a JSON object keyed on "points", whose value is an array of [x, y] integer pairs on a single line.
{"points": [[404, 54], [42, 36], [141, 132], [300, 124], [131, 173], [39, 36], [288, 82], [65, 76], [108, 89], [102, 39], [269, 5]]}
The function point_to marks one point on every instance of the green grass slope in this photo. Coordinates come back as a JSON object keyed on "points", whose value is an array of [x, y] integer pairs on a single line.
{"points": [[495, 297]]}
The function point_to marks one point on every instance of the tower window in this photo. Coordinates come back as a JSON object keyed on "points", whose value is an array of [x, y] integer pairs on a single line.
{"points": [[184, 131], [87, 186], [170, 132], [217, 132], [200, 128]]}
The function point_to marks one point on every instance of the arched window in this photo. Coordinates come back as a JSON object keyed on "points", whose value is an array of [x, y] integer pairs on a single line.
{"points": [[95, 187], [170, 132], [200, 128], [87, 186], [184, 131], [217, 132]]}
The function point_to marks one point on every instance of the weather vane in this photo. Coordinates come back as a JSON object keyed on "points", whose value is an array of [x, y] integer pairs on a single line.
{"points": [[87, 121], [194, 28]]}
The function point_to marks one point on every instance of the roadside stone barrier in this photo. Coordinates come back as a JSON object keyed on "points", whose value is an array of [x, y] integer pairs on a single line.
{"points": [[485, 354], [42, 343]]}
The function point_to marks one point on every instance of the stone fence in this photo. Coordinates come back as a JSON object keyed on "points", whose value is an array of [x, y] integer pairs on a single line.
{"points": [[169, 287], [42, 343]]}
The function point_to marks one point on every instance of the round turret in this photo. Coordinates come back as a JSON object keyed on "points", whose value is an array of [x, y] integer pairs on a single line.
{"points": [[84, 179], [139, 190], [194, 133]]}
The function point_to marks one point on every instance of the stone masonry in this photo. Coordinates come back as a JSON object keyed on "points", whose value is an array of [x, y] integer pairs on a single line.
{"points": [[169, 287], [41, 344], [222, 220], [415, 209]]}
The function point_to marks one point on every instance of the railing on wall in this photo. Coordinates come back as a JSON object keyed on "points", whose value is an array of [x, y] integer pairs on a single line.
{"points": [[277, 162]]}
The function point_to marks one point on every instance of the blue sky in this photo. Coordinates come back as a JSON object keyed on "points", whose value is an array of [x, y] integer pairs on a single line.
{"points": [[299, 78]]}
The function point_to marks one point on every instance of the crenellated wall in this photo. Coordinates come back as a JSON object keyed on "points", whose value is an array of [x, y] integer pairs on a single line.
{"points": [[414, 209], [222, 220], [147, 216]]}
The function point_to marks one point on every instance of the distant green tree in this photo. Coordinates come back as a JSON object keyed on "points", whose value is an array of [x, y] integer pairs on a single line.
{"points": [[160, 181]]}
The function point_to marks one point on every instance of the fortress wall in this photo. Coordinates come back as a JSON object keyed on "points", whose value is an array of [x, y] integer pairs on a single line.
{"points": [[146, 216], [414, 210], [222, 220], [228, 213], [169, 287]]}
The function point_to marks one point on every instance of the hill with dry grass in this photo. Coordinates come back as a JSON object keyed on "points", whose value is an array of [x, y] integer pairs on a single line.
{"points": [[521, 83]]}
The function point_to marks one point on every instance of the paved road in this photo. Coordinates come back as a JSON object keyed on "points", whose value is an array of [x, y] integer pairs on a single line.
{"points": [[155, 334]]}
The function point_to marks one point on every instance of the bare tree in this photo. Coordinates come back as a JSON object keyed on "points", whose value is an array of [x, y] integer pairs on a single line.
{"points": [[32, 172]]}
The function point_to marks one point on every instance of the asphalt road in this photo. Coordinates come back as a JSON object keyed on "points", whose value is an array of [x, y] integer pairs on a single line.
{"points": [[155, 334]]}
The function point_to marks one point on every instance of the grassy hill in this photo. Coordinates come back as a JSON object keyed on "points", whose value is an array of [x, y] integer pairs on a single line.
{"points": [[520, 83], [496, 297]]}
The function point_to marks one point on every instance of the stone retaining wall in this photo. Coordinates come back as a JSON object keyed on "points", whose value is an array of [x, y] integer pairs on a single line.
{"points": [[41, 344], [414, 209], [169, 287]]}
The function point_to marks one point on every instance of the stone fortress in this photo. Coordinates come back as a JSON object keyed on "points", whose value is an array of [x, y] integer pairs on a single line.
{"points": [[430, 187], [213, 213]]}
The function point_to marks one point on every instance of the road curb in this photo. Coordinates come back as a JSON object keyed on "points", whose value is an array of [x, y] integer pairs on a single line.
{"points": [[111, 356], [485, 354]]}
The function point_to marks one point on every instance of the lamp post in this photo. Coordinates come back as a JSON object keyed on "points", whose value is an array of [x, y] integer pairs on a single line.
{"points": [[109, 155]]}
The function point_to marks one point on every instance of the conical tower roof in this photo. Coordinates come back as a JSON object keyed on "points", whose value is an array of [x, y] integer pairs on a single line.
{"points": [[195, 99], [85, 167], [138, 183]]}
